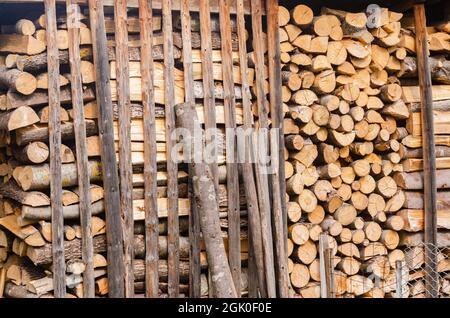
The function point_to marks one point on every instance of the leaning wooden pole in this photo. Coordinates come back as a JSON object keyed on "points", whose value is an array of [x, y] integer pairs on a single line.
{"points": [[109, 165], [150, 150], [205, 196], [76, 86], [54, 127], [262, 150], [125, 162], [194, 221], [172, 168], [429, 159], [251, 194], [234, 245], [277, 150], [208, 87]]}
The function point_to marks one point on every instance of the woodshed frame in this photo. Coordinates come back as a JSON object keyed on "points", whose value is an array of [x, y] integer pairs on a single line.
{"points": [[115, 204]]}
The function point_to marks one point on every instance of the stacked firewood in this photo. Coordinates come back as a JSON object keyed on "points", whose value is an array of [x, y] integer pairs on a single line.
{"points": [[343, 131], [410, 180], [25, 217]]}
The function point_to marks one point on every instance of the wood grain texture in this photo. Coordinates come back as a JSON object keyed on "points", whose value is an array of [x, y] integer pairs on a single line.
{"points": [[125, 163], [256, 258], [109, 165], [261, 173], [429, 160], [81, 150], [172, 168], [54, 127], [194, 221], [277, 150], [208, 85], [234, 248], [150, 167]]}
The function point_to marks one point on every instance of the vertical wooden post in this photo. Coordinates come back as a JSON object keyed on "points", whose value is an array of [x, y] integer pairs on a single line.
{"points": [[429, 156], [54, 127], [234, 245], [251, 195], [150, 165], [73, 27], [114, 233], [125, 165], [172, 169], [277, 149], [262, 149], [208, 88], [194, 221]]}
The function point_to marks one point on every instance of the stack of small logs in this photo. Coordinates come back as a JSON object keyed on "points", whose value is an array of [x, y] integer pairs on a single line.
{"points": [[25, 215], [344, 123], [410, 180]]}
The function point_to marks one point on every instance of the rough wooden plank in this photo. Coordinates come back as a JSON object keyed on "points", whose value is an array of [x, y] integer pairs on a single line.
{"points": [[234, 248], [261, 174], [59, 266], [429, 159], [194, 221], [81, 149], [277, 149], [411, 94], [172, 169], [109, 165], [208, 87], [150, 171], [413, 164], [125, 162], [247, 167]]}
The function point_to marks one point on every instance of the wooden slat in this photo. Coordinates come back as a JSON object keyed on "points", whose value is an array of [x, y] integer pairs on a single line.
{"points": [[194, 221], [261, 173], [234, 248], [125, 162], [277, 150], [54, 127], [109, 165], [172, 169], [414, 164], [208, 85], [257, 255], [150, 149], [429, 160], [156, 4], [81, 149]]}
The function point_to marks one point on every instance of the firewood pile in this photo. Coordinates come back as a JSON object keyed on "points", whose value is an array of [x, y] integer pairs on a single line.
{"points": [[25, 215], [347, 130], [410, 179]]}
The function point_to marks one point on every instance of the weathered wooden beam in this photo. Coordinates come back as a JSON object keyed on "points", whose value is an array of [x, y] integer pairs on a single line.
{"points": [[150, 182], [256, 258], [194, 221], [82, 157], [429, 160], [261, 173], [277, 150], [172, 168], [208, 85], [125, 162], [234, 251], [206, 197], [54, 127], [111, 179]]}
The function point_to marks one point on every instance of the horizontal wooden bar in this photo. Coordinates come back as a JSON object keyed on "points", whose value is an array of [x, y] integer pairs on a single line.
{"points": [[194, 4]]}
